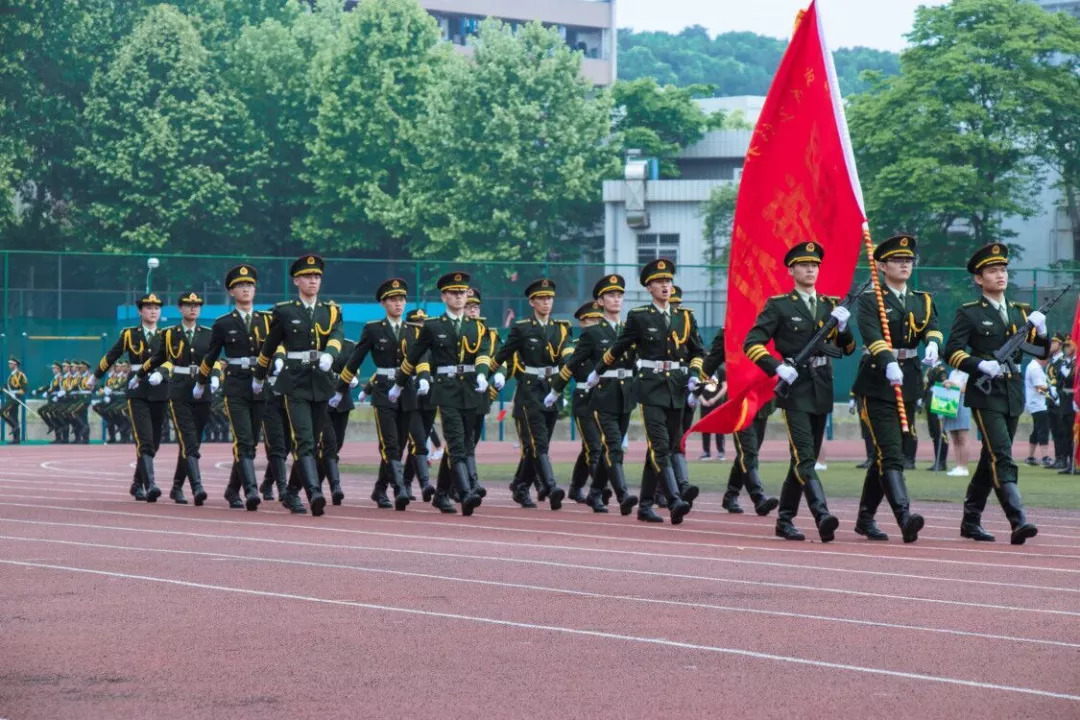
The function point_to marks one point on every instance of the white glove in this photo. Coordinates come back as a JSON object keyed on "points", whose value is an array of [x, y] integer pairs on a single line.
{"points": [[692, 400], [842, 314], [423, 387], [851, 406], [1065, 371], [1053, 393], [354, 382], [498, 380], [481, 384], [215, 383], [990, 367], [1038, 321], [91, 382], [256, 386], [931, 356], [395, 393], [198, 390], [894, 374], [692, 384], [107, 391], [155, 378], [550, 399], [919, 403], [278, 365], [787, 373], [1075, 407], [593, 380], [360, 398], [336, 400], [61, 393], [133, 382], [325, 361]]}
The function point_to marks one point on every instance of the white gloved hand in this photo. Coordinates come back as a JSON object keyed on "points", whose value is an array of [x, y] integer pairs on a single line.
{"points": [[1053, 393], [692, 384], [354, 382], [336, 400], [198, 390], [842, 314], [395, 393], [550, 399], [91, 382], [692, 400], [1075, 407], [498, 380], [851, 406], [481, 384], [592, 380], [325, 361], [894, 374], [278, 365], [1038, 321], [215, 383], [256, 386], [423, 387], [107, 391], [361, 397], [133, 382], [61, 393], [931, 356], [787, 373], [155, 378], [990, 367]]}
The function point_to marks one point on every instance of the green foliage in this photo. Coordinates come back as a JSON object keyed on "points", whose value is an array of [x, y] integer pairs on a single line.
{"points": [[735, 63], [719, 219]]}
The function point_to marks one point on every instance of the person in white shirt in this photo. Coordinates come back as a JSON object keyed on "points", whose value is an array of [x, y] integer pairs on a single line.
{"points": [[958, 426], [1035, 389]]}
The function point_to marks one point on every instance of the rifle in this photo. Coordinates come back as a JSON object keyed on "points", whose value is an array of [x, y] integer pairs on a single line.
{"points": [[1018, 341], [16, 399], [817, 344]]}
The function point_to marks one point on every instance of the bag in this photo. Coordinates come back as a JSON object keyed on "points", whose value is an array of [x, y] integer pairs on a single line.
{"points": [[944, 401]]}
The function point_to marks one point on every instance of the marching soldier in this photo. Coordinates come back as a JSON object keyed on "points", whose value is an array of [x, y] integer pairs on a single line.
{"points": [[47, 412], [744, 471], [454, 343], [421, 420], [980, 328], [146, 402], [912, 319], [658, 333], [386, 341], [936, 374], [1057, 352], [310, 331], [273, 433], [791, 320], [16, 385], [540, 343], [587, 464], [1062, 377], [180, 354], [472, 310], [333, 432], [83, 389]]}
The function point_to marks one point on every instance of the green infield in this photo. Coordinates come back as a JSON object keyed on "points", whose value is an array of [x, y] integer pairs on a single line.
{"points": [[1040, 488]]}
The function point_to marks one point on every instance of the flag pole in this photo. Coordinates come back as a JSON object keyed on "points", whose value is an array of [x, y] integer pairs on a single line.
{"points": [[898, 389]]}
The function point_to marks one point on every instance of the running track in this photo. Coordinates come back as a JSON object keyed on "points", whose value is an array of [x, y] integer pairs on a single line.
{"points": [[112, 608]]}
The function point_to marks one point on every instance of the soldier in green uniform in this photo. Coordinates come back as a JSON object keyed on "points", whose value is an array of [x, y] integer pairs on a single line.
{"points": [[744, 471], [47, 411], [386, 341], [16, 385], [273, 434], [337, 424], [454, 343], [179, 355], [310, 331], [146, 403], [1061, 375], [936, 374], [421, 420], [498, 379], [1057, 352], [658, 334], [587, 465], [980, 328], [791, 320], [540, 343], [912, 319]]}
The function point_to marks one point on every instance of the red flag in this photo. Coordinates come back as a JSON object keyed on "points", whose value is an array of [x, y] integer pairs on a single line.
{"points": [[799, 183]]}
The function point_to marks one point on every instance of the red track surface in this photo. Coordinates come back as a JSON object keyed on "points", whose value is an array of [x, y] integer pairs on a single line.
{"points": [[112, 608]]}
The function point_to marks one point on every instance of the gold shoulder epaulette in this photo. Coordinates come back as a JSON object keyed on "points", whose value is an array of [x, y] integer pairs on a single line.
{"points": [[373, 322], [284, 302], [526, 321], [640, 308], [973, 303]]}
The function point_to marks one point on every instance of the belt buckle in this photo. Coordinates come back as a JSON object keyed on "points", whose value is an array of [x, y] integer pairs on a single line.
{"points": [[245, 363], [193, 369], [548, 372], [313, 356]]}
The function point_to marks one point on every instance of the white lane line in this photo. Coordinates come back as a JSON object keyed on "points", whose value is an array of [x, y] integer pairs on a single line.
{"points": [[560, 629], [548, 589], [533, 531], [552, 564]]}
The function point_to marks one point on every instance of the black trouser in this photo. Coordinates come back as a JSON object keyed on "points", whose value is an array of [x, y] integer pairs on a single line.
{"points": [[245, 419], [190, 419], [392, 427], [306, 419], [333, 434], [591, 439], [936, 427], [747, 444], [1040, 431], [10, 414], [883, 423], [805, 434], [457, 429], [663, 431], [996, 467], [1068, 418], [273, 428], [1055, 432], [147, 422], [421, 423], [612, 428], [478, 424], [538, 426]]}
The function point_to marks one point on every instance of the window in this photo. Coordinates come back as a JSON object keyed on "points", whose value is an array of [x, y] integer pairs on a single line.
{"points": [[655, 245]]}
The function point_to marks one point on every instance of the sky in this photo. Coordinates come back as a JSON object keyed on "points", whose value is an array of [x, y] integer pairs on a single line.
{"points": [[879, 24]]}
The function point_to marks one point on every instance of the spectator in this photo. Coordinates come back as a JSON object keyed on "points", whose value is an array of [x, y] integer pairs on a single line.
{"points": [[1035, 390], [958, 426]]}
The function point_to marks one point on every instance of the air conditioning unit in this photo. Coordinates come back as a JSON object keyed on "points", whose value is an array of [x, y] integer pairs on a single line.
{"points": [[637, 219]]}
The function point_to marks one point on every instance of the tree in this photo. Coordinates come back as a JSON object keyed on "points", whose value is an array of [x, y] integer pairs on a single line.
{"points": [[371, 80], [512, 151], [719, 220], [170, 157], [661, 121]]}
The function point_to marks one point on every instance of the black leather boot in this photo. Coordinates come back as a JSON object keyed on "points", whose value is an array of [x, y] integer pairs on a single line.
{"points": [[974, 504], [309, 474], [194, 475], [251, 485], [546, 475], [401, 493], [896, 491], [420, 467], [474, 477], [687, 491], [595, 500], [521, 493], [763, 504], [1009, 497], [790, 495], [266, 487], [626, 500], [176, 494], [137, 489], [469, 499], [868, 505], [153, 492], [645, 512], [578, 479], [333, 476], [232, 490], [280, 474], [676, 505], [815, 500], [731, 502], [378, 493]]}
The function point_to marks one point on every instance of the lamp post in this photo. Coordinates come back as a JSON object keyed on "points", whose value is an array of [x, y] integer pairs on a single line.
{"points": [[151, 264]]}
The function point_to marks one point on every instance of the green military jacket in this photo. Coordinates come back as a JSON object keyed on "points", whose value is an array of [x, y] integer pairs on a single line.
{"points": [[297, 332], [909, 324], [977, 332], [454, 358], [139, 349], [174, 352], [786, 320], [657, 342], [540, 351], [494, 342], [230, 339], [616, 394], [387, 352]]}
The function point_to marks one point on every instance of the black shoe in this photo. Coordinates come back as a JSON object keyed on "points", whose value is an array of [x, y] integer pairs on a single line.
{"points": [[661, 501], [444, 504], [596, 502], [870, 530], [337, 495], [647, 514], [689, 493], [863, 465], [292, 503], [236, 503], [1031, 461], [606, 494], [427, 492], [936, 467], [827, 525], [469, 503], [975, 532], [555, 498], [912, 527], [577, 496], [200, 495], [252, 503], [1023, 532], [523, 498], [766, 506], [267, 489], [678, 510], [788, 532], [381, 499], [137, 491], [542, 493], [909, 464], [177, 495], [626, 505], [731, 505]]}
